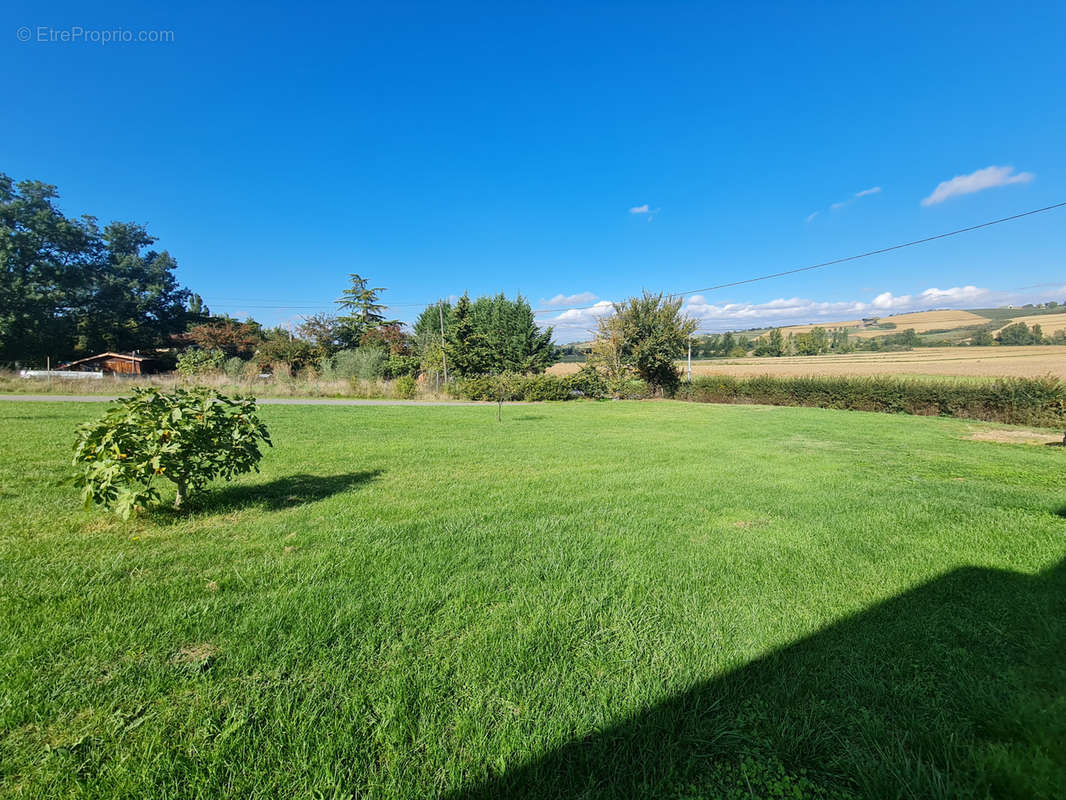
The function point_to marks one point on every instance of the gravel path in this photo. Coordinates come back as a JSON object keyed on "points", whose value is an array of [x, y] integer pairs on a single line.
{"points": [[265, 401]]}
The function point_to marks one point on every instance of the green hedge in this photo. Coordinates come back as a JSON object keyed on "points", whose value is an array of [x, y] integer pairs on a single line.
{"points": [[517, 387], [1021, 401], [511, 387], [1024, 401]]}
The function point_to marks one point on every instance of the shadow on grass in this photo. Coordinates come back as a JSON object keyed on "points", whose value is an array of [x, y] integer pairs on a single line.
{"points": [[287, 492], [954, 689]]}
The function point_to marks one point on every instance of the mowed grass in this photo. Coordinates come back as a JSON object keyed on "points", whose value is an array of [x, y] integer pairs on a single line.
{"points": [[586, 600]]}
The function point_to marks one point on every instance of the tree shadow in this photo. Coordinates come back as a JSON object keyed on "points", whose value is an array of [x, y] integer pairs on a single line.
{"points": [[956, 688], [287, 492]]}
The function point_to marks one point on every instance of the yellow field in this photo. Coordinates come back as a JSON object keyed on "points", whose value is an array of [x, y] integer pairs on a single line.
{"points": [[921, 321], [1021, 362], [1049, 323]]}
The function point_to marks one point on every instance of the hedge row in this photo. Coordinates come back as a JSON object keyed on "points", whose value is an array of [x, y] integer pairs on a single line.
{"points": [[1020, 401], [510, 387]]}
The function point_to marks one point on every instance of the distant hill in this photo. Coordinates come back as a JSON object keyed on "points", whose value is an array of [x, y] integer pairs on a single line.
{"points": [[947, 324]]}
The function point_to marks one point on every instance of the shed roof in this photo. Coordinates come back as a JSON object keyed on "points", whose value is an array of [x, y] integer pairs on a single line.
{"points": [[123, 356]]}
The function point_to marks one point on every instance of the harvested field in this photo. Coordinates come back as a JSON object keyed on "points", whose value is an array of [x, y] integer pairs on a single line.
{"points": [[921, 321], [1049, 323], [976, 362]]}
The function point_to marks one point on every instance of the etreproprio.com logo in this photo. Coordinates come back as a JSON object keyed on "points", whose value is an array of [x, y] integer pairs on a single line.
{"points": [[76, 34]]}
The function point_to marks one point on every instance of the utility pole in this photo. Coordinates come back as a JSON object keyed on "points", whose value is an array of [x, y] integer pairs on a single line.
{"points": [[690, 359], [443, 356]]}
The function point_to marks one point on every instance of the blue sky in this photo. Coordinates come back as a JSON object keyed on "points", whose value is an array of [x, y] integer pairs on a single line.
{"points": [[572, 151]]}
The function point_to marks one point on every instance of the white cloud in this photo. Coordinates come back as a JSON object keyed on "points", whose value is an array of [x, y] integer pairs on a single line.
{"points": [[887, 300], [982, 179], [579, 324], [640, 209], [957, 294], [800, 310], [560, 300], [849, 201]]}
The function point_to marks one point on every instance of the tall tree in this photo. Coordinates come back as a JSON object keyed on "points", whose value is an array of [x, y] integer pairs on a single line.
{"points": [[427, 341], [67, 288], [608, 353], [772, 345], [133, 300], [198, 310], [361, 308], [654, 335], [464, 346], [492, 335], [43, 256], [427, 328]]}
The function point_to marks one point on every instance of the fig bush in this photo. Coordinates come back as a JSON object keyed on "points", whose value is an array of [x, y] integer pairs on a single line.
{"points": [[186, 436]]}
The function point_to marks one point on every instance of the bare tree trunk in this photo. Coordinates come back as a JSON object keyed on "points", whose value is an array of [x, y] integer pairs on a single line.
{"points": [[179, 498]]}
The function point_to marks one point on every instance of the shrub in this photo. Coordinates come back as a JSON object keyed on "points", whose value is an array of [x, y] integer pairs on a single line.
{"points": [[363, 363], [533, 388], [234, 368], [405, 387], [587, 382], [398, 366], [199, 362], [186, 436], [1027, 401]]}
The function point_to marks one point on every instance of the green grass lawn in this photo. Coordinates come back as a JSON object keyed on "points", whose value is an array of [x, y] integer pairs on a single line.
{"points": [[588, 600]]}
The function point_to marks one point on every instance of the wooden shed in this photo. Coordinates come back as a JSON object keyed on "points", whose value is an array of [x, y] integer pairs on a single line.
{"points": [[114, 364]]}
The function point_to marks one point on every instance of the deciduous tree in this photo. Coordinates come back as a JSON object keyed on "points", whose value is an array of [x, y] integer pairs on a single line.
{"points": [[654, 335]]}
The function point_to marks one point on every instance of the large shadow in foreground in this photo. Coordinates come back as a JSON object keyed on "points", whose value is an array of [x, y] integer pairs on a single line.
{"points": [[292, 490], [954, 689]]}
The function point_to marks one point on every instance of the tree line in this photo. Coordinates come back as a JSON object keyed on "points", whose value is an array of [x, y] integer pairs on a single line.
{"points": [[69, 286], [821, 341]]}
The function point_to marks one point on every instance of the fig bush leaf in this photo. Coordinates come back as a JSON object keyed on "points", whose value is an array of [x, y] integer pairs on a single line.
{"points": [[186, 436]]}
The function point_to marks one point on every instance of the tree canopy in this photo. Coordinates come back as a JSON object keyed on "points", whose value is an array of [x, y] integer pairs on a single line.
{"points": [[361, 310], [488, 336], [653, 334], [69, 287]]}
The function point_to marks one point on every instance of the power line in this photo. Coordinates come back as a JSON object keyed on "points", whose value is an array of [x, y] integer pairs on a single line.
{"points": [[769, 276], [870, 252], [845, 259]]}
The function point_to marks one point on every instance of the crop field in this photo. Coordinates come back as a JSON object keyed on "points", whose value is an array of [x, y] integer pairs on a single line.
{"points": [[1049, 323], [976, 362], [921, 321], [585, 600]]}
